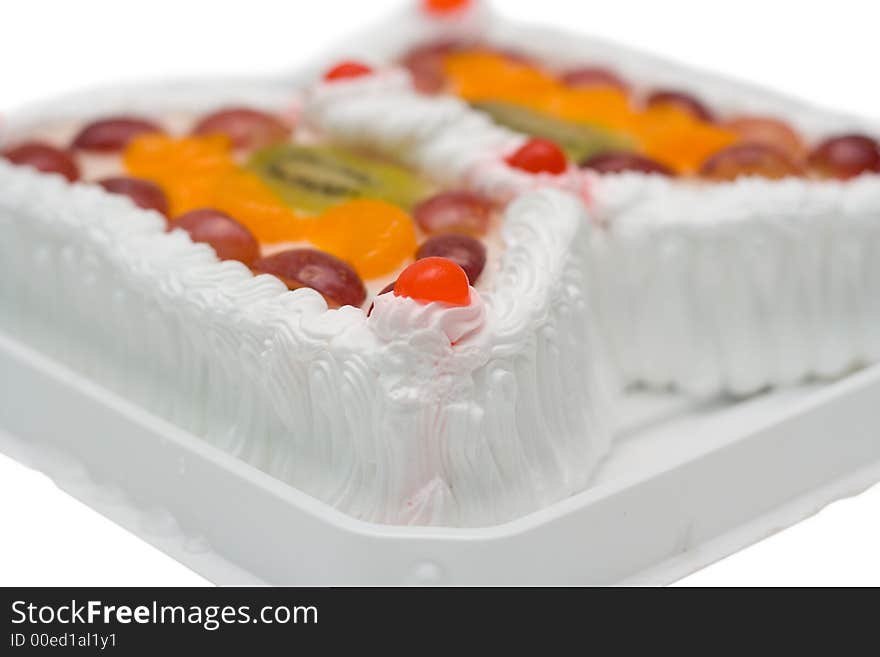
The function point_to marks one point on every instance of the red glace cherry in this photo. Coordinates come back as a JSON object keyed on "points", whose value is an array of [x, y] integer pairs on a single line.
{"points": [[434, 279], [346, 70], [539, 156], [444, 7]]}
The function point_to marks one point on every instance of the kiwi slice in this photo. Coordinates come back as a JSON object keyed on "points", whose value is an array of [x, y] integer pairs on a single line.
{"points": [[578, 140], [313, 178]]}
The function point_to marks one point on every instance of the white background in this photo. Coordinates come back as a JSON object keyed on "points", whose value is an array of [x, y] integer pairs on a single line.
{"points": [[825, 52]]}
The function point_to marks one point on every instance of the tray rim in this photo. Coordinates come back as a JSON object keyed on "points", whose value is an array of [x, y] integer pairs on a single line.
{"points": [[328, 513], [222, 570]]}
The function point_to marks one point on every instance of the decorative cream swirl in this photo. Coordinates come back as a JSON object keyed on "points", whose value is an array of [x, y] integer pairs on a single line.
{"points": [[441, 136], [396, 318], [428, 415]]}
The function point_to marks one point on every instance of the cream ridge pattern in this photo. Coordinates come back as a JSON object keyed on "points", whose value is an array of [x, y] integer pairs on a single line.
{"points": [[381, 380], [423, 415]]}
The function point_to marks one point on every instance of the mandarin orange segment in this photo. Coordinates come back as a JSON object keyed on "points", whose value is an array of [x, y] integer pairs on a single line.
{"points": [[609, 108], [663, 132], [187, 169], [478, 75], [199, 171], [246, 197], [675, 138], [189, 192], [157, 155], [373, 236]]}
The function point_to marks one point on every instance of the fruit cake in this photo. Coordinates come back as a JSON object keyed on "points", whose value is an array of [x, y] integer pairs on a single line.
{"points": [[357, 320], [736, 229], [415, 287]]}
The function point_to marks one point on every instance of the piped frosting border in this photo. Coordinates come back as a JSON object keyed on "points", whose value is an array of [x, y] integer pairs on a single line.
{"points": [[708, 288], [517, 420]]}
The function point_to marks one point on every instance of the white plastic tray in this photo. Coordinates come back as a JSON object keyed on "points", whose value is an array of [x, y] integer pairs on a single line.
{"points": [[688, 483]]}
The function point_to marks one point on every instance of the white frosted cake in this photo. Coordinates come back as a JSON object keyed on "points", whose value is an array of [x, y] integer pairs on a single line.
{"points": [[415, 287], [396, 408], [736, 228]]}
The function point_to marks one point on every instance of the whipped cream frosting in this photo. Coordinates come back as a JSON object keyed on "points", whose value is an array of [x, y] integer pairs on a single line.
{"points": [[431, 415], [708, 288], [420, 414], [430, 351], [440, 136], [401, 317], [737, 286]]}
